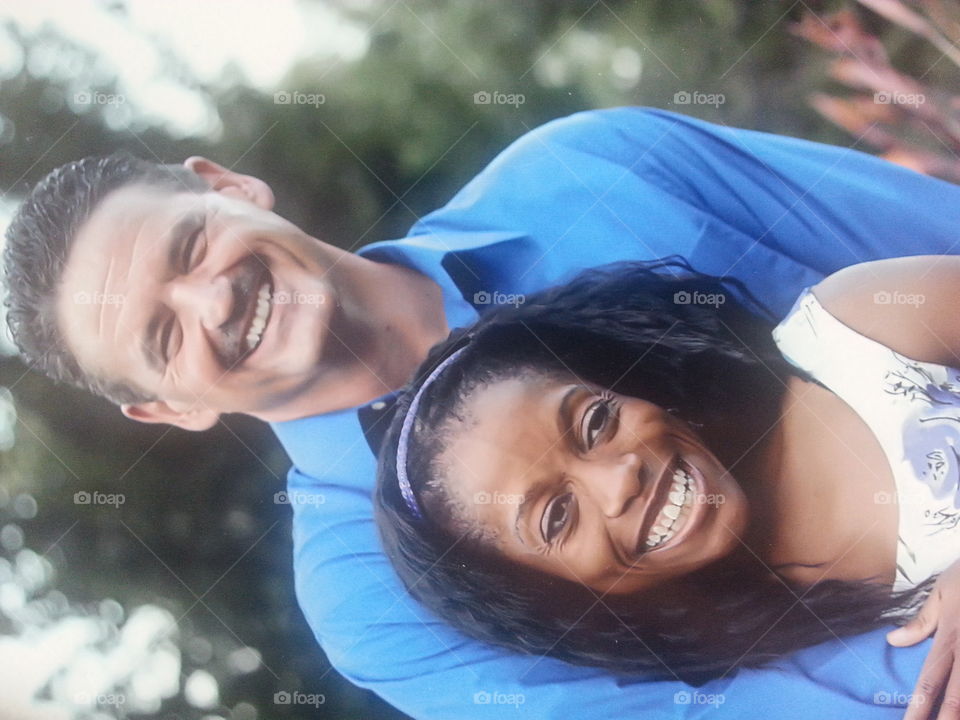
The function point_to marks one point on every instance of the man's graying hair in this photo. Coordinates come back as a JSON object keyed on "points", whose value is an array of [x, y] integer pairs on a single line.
{"points": [[38, 246]]}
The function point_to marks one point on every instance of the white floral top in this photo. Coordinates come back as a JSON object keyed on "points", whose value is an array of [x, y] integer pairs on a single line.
{"points": [[913, 409]]}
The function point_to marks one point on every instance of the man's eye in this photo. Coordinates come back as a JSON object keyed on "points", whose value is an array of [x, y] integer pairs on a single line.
{"points": [[165, 340], [594, 421], [556, 517], [194, 250]]}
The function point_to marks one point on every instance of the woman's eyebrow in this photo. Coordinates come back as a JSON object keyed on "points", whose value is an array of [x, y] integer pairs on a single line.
{"points": [[565, 410], [523, 509], [564, 426]]}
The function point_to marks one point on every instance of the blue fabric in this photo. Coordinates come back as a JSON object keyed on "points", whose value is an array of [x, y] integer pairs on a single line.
{"points": [[600, 186]]}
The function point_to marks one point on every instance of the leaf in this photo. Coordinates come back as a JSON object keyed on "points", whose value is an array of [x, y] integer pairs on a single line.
{"points": [[895, 11], [945, 16], [858, 116], [891, 106], [842, 33], [881, 78], [923, 161]]}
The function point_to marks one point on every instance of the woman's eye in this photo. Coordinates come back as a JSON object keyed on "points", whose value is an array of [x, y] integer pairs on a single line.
{"points": [[556, 517], [594, 422]]}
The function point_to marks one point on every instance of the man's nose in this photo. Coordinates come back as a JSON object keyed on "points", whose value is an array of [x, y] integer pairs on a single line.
{"points": [[613, 483], [210, 299]]}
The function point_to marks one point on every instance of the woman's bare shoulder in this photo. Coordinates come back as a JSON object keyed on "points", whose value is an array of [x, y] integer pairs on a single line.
{"points": [[910, 304]]}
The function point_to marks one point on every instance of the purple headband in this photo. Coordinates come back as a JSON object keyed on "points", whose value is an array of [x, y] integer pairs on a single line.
{"points": [[407, 428]]}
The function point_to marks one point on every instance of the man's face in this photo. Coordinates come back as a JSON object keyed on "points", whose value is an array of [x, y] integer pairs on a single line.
{"points": [[208, 302]]}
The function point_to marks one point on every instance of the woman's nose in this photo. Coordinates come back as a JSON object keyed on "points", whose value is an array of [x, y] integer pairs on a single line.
{"points": [[210, 298], [613, 483]]}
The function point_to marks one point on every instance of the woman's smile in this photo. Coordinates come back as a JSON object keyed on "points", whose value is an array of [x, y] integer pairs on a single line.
{"points": [[673, 513]]}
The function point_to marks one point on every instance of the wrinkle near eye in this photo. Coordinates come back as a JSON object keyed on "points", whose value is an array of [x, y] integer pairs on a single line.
{"points": [[103, 306], [171, 375]]}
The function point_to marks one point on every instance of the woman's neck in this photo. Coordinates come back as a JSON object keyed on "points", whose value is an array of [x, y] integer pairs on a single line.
{"points": [[811, 480]]}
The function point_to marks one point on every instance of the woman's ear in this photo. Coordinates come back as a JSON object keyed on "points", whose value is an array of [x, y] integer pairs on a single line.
{"points": [[196, 419], [232, 184]]}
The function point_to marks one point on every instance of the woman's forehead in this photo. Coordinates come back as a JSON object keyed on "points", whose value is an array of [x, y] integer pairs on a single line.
{"points": [[504, 430]]}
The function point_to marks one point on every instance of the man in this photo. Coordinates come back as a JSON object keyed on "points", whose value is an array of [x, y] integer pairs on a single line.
{"points": [[219, 305]]}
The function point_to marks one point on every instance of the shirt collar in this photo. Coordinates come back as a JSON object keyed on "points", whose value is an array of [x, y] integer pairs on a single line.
{"points": [[462, 264]]}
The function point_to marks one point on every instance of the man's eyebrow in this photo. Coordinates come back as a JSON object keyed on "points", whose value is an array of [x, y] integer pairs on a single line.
{"points": [[191, 223], [564, 426]]}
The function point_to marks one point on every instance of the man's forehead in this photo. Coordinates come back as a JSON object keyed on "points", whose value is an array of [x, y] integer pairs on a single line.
{"points": [[137, 208]]}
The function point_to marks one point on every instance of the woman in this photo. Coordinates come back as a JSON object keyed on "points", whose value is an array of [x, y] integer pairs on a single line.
{"points": [[625, 472]]}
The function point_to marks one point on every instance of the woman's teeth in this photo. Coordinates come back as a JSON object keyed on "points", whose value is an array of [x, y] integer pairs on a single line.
{"points": [[675, 510], [259, 318]]}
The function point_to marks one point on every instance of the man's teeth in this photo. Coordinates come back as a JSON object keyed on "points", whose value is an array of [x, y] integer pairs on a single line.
{"points": [[675, 510], [259, 318]]}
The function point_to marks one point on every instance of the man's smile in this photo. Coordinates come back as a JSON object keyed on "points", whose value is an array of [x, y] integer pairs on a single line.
{"points": [[260, 318], [242, 333]]}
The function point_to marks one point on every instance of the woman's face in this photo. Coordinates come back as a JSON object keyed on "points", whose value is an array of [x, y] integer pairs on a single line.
{"points": [[605, 490]]}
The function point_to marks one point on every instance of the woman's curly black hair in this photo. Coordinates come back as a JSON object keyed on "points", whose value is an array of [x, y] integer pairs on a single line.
{"points": [[675, 337]]}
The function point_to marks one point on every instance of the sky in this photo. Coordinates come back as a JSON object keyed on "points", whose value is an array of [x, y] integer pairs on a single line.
{"points": [[209, 37]]}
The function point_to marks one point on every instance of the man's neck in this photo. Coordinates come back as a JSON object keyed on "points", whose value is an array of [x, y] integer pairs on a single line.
{"points": [[406, 319], [389, 320]]}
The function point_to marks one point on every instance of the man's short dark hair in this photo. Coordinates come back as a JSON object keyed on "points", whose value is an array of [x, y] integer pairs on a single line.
{"points": [[38, 246]]}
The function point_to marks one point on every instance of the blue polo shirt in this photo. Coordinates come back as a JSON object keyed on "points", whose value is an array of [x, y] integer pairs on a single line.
{"points": [[623, 184]]}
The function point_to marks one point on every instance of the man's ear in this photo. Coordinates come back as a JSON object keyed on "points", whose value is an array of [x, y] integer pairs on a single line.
{"points": [[196, 419], [232, 184]]}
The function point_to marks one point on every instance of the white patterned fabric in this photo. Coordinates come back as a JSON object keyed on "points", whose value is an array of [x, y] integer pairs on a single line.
{"points": [[912, 408]]}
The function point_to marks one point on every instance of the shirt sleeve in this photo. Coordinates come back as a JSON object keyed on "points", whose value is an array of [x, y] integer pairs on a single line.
{"points": [[825, 206], [776, 212]]}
